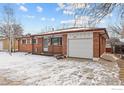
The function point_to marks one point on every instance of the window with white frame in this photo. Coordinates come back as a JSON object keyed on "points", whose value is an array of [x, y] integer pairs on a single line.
{"points": [[24, 41], [28, 41]]}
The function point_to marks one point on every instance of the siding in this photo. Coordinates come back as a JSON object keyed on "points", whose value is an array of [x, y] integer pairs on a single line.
{"points": [[64, 44]]}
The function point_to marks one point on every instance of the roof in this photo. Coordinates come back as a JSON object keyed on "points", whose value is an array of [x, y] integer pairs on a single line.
{"points": [[70, 30]]}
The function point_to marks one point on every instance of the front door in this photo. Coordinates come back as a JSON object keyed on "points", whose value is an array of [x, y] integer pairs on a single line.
{"points": [[45, 45]]}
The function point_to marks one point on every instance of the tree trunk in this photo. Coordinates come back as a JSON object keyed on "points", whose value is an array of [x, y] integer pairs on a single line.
{"points": [[10, 37], [10, 44]]}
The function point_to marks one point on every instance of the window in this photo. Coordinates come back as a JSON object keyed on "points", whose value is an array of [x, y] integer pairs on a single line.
{"points": [[24, 41], [33, 41], [56, 41], [45, 43], [28, 41]]}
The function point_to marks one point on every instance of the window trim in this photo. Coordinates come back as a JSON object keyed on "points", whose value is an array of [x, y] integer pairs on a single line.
{"points": [[29, 41], [25, 41], [35, 40]]}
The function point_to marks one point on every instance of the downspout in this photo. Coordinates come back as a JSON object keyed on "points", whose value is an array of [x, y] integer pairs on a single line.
{"points": [[18, 45], [52, 45], [42, 45], [32, 44]]}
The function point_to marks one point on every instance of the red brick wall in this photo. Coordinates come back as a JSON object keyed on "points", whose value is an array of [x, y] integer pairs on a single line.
{"points": [[55, 49], [104, 45], [35, 48], [99, 43], [24, 47], [95, 44], [38, 48], [64, 44]]}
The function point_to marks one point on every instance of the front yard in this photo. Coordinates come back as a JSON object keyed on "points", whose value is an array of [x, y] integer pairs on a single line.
{"points": [[27, 69]]}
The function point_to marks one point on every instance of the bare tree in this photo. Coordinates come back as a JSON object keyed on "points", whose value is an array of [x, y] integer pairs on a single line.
{"points": [[17, 30], [122, 29], [9, 28], [118, 29], [113, 41], [94, 11], [78, 11], [98, 11]]}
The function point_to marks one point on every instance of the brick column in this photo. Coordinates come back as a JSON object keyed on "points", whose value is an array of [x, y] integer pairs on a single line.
{"points": [[96, 46], [64, 44]]}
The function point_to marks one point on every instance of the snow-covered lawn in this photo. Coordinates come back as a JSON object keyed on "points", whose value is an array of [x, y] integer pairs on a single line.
{"points": [[43, 70]]}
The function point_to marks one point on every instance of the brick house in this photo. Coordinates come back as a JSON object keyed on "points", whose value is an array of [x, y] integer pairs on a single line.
{"points": [[72, 42]]}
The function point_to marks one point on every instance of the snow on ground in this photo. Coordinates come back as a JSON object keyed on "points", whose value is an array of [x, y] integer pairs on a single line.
{"points": [[43, 70]]}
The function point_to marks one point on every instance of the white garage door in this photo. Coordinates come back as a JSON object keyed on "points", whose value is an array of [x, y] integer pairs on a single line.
{"points": [[1, 45], [81, 48]]}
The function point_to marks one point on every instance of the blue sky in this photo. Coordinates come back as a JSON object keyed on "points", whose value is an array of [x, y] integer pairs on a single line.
{"points": [[37, 17]]}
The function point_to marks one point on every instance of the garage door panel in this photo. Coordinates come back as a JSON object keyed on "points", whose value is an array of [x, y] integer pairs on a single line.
{"points": [[82, 48]]}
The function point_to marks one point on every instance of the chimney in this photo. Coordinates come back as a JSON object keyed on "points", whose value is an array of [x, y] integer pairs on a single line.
{"points": [[52, 29]]}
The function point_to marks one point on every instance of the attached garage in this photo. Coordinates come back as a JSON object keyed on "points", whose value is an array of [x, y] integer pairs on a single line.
{"points": [[80, 45]]}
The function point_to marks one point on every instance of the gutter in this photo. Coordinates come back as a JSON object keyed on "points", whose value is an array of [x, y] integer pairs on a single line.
{"points": [[106, 33]]}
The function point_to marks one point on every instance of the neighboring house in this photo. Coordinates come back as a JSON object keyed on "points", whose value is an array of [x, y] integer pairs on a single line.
{"points": [[119, 47], [77, 42], [1, 44], [4, 44], [108, 47]]}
